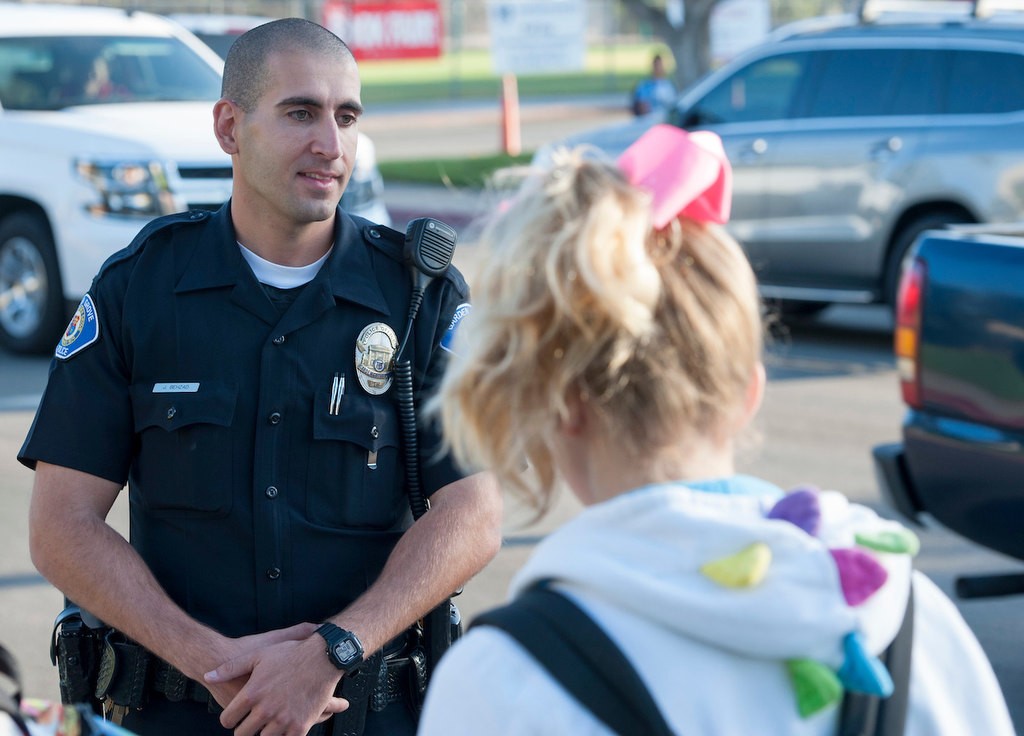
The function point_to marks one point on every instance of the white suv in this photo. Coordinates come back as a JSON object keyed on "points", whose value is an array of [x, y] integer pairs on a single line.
{"points": [[105, 122]]}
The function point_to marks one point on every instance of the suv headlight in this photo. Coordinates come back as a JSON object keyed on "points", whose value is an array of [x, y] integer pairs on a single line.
{"points": [[127, 188]]}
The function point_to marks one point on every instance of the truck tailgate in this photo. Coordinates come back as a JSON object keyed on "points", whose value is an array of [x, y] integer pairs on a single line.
{"points": [[964, 445]]}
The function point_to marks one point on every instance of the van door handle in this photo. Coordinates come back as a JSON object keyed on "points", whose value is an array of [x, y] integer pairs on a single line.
{"points": [[883, 150], [754, 150]]}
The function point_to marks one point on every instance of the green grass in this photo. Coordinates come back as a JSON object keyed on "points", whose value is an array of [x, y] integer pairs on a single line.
{"points": [[469, 74], [457, 172]]}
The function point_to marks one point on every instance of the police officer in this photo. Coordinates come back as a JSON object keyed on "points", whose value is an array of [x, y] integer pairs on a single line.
{"points": [[235, 370]]}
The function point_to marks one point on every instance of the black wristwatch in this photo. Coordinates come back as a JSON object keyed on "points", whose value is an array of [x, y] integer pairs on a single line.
{"points": [[343, 647]]}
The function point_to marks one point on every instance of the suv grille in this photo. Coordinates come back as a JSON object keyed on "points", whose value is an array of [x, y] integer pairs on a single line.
{"points": [[204, 172]]}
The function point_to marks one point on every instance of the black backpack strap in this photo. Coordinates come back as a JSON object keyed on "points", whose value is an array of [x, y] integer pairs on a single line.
{"points": [[868, 715], [580, 656]]}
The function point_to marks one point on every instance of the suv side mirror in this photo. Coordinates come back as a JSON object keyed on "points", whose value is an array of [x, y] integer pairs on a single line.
{"points": [[686, 119]]}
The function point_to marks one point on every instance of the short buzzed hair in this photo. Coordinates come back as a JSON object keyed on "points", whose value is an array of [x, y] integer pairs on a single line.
{"points": [[245, 69]]}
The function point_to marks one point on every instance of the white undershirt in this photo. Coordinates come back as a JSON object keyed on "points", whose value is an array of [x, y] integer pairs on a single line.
{"points": [[278, 276]]}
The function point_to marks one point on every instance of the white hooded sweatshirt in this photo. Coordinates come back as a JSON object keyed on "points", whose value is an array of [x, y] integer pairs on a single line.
{"points": [[714, 591]]}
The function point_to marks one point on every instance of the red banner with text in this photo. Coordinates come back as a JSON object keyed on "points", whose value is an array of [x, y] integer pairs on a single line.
{"points": [[402, 29]]}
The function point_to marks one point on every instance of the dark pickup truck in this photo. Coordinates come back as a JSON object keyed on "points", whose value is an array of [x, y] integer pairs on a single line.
{"points": [[959, 342]]}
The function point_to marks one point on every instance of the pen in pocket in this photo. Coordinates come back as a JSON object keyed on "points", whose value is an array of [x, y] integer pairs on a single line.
{"points": [[337, 391]]}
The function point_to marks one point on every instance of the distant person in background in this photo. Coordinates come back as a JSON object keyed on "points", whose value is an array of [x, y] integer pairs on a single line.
{"points": [[89, 83], [654, 93], [100, 86]]}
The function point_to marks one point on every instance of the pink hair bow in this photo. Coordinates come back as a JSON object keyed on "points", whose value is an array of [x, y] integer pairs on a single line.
{"points": [[687, 174]]}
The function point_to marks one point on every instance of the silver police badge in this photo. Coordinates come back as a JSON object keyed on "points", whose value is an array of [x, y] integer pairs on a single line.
{"points": [[375, 357]]}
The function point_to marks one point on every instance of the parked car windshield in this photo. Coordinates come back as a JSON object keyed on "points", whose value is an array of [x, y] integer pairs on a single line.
{"points": [[54, 73]]}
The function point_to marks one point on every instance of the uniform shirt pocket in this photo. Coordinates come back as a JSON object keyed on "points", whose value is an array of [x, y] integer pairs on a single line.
{"points": [[355, 478], [185, 460]]}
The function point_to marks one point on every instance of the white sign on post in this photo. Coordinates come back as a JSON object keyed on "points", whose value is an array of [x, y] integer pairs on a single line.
{"points": [[538, 36], [737, 25]]}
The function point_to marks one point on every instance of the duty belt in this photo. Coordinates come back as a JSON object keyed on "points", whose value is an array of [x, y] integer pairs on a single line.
{"points": [[128, 674], [379, 682]]}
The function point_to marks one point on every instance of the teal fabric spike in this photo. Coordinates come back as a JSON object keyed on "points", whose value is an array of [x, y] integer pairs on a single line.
{"points": [[816, 686], [901, 541], [862, 672]]}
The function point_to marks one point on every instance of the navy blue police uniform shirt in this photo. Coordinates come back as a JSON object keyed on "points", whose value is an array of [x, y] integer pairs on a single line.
{"points": [[261, 494]]}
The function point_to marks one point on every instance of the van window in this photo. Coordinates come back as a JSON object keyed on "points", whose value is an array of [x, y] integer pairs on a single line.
{"points": [[918, 84], [861, 82], [764, 90], [985, 82]]}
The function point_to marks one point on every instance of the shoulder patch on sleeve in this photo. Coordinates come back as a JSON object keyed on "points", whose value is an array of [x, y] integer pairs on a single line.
{"points": [[448, 339], [82, 331]]}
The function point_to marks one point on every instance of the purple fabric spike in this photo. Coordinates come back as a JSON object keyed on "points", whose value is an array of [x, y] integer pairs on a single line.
{"points": [[859, 573], [800, 507]]}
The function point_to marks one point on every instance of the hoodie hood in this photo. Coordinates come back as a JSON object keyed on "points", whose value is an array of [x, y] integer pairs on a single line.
{"points": [[806, 578]]}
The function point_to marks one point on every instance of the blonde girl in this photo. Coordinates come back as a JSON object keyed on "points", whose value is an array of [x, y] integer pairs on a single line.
{"points": [[615, 346]]}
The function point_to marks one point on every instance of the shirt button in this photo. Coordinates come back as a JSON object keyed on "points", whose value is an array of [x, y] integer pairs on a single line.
{"points": [[171, 412], [375, 433], [374, 233], [275, 418], [279, 340], [271, 492], [274, 573]]}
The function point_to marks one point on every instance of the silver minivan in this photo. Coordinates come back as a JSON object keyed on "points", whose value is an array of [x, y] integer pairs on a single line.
{"points": [[848, 142]]}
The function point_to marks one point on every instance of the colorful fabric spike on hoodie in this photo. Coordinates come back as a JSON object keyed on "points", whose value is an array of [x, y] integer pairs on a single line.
{"points": [[805, 581], [745, 610], [860, 576]]}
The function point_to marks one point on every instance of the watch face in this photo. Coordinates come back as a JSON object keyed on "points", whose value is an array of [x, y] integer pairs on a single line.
{"points": [[343, 647], [345, 650]]}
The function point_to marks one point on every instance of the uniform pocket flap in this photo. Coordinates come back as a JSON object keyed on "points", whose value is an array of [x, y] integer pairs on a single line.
{"points": [[369, 423], [209, 403]]}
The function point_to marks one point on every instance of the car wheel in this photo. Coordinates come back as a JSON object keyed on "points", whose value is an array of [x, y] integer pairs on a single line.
{"points": [[899, 256], [32, 310]]}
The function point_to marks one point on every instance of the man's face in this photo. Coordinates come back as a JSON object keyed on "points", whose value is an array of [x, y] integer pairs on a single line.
{"points": [[297, 148]]}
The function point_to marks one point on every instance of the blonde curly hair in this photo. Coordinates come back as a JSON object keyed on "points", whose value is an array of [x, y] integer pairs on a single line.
{"points": [[576, 296]]}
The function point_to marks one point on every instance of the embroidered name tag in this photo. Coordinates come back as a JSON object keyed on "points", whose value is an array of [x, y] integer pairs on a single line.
{"points": [[175, 388]]}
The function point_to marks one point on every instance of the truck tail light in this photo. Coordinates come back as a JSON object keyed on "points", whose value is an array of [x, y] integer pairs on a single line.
{"points": [[908, 332]]}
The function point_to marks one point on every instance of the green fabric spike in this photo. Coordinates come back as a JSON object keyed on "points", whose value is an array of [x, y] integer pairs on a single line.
{"points": [[744, 569], [816, 686], [902, 541]]}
